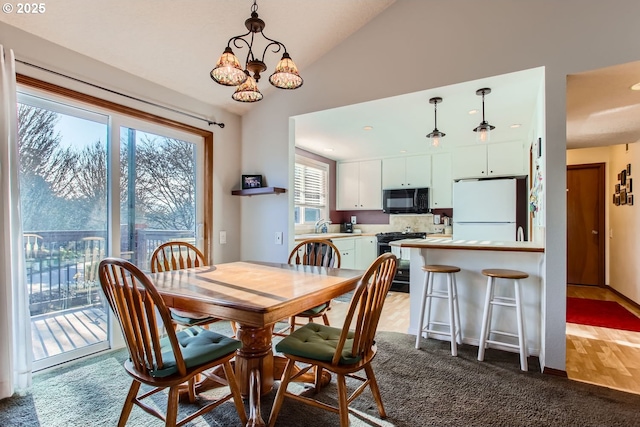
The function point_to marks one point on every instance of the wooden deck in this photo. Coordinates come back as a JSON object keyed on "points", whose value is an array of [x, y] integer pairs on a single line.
{"points": [[56, 333]]}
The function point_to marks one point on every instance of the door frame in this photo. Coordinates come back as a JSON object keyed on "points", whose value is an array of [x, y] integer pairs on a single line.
{"points": [[601, 194]]}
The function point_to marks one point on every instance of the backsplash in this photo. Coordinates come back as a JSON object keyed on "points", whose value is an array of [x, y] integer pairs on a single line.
{"points": [[417, 223]]}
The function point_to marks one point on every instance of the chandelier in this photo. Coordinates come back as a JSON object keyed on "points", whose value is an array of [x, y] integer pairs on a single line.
{"points": [[228, 71], [435, 135], [484, 128]]}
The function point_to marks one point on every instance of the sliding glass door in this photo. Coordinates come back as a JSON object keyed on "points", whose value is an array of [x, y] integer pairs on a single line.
{"points": [[158, 190], [93, 184], [63, 183]]}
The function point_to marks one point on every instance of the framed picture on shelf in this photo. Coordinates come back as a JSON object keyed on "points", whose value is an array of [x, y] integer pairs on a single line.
{"points": [[251, 181]]}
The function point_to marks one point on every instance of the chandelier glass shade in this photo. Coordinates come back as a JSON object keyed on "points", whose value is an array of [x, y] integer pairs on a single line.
{"points": [[483, 130], [247, 91], [435, 135], [229, 72]]}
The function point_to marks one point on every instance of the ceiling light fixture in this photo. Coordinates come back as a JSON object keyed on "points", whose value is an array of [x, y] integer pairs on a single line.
{"points": [[367, 128], [635, 86], [435, 135], [228, 71], [484, 128]]}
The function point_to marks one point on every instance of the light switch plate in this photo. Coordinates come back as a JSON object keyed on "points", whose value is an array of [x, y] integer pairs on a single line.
{"points": [[278, 237], [436, 219], [223, 237]]}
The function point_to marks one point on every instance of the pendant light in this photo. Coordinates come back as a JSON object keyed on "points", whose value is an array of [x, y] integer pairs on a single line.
{"points": [[484, 129], [435, 135], [229, 72]]}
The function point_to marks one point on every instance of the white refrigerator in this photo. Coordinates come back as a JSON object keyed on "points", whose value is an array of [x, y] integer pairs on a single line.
{"points": [[485, 210]]}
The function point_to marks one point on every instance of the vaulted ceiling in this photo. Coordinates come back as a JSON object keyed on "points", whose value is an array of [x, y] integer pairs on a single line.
{"points": [[176, 44]]}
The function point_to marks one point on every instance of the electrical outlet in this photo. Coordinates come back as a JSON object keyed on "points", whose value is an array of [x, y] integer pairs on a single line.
{"points": [[278, 237], [223, 237]]}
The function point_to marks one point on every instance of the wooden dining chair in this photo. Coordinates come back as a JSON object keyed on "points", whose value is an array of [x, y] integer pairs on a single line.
{"points": [[163, 361], [321, 253], [343, 351], [177, 256]]}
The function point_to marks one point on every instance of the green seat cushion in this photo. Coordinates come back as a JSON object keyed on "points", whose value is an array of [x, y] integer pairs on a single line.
{"points": [[317, 342], [315, 310], [198, 346], [190, 321]]}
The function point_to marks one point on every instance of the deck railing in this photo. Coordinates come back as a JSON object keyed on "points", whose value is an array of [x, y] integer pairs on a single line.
{"points": [[62, 265]]}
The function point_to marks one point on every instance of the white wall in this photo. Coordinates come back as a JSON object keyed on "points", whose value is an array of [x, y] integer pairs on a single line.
{"points": [[625, 225], [470, 40], [226, 208]]}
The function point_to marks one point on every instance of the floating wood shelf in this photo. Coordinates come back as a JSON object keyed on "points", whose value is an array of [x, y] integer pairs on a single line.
{"points": [[256, 191]]}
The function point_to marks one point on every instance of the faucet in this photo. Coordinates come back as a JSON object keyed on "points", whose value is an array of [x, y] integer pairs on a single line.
{"points": [[321, 226]]}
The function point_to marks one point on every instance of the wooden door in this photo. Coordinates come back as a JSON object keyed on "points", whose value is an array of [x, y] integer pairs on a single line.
{"points": [[585, 224]]}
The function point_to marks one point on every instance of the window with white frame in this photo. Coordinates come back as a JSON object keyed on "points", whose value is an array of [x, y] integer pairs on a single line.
{"points": [[311, 190]]}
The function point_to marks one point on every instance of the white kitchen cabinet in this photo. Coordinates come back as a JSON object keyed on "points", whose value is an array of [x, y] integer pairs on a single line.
{"points": [[441, 181], [359, 185], [366, 249], [347, 248], [489, 160], [406, 172]]}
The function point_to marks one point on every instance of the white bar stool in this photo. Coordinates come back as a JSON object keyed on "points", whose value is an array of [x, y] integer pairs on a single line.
{"points": [[450, 294], [516, 302]]}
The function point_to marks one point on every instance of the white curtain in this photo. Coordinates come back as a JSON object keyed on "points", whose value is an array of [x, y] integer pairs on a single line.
{"points": [[15, 322]]}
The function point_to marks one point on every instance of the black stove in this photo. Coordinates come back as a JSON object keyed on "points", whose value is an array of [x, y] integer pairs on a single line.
{"points": [[401, 279], [398, 235]]}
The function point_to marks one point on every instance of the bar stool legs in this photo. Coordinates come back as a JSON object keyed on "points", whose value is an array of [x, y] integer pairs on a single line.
{"points": [[451, 295], [516, 302]]}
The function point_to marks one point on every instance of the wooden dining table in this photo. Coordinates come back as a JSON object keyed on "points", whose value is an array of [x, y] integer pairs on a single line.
{"points": [[254, 295]]}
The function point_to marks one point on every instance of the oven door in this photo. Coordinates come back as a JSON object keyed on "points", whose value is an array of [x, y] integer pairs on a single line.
{"points": [[401, 279]]}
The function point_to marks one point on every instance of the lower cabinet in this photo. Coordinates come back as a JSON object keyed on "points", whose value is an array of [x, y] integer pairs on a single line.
{"points": [[347, 248], [366, 251], [357, 252]]}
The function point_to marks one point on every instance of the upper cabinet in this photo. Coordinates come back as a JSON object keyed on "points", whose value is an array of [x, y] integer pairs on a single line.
{"points": [[441, 182], [489, 160], [406, 172], [359, 185]]}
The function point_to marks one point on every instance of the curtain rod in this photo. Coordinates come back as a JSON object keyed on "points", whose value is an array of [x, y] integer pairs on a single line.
{"points": [[209, 122]]}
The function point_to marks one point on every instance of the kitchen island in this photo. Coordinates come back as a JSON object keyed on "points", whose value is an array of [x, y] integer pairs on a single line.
{"points": [[472, 257]]}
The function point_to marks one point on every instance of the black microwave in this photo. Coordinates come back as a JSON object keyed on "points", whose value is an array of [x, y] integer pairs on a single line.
{"points": [[406, 201]]}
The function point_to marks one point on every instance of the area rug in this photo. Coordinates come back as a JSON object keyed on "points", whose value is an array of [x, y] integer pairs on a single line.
{"points": [[426, 387], [606, 314]]}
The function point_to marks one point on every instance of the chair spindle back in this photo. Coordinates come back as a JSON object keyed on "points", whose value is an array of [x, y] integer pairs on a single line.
{"points": [[135, 302], [367, 301], [176, 256], [318, 252]]}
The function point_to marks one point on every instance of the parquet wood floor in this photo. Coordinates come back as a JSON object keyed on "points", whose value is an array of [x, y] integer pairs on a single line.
{"points": [[601, 356]]}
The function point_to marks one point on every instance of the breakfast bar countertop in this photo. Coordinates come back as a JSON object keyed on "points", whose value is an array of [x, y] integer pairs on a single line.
{"points": [[483, 245]]}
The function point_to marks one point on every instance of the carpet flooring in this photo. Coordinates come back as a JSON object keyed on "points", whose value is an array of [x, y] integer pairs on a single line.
{"points": [[426, 387], [606, 314]]}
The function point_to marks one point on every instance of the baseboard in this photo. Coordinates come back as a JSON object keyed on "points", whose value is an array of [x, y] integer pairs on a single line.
{"points": [[554, 372], [624, 297]]}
